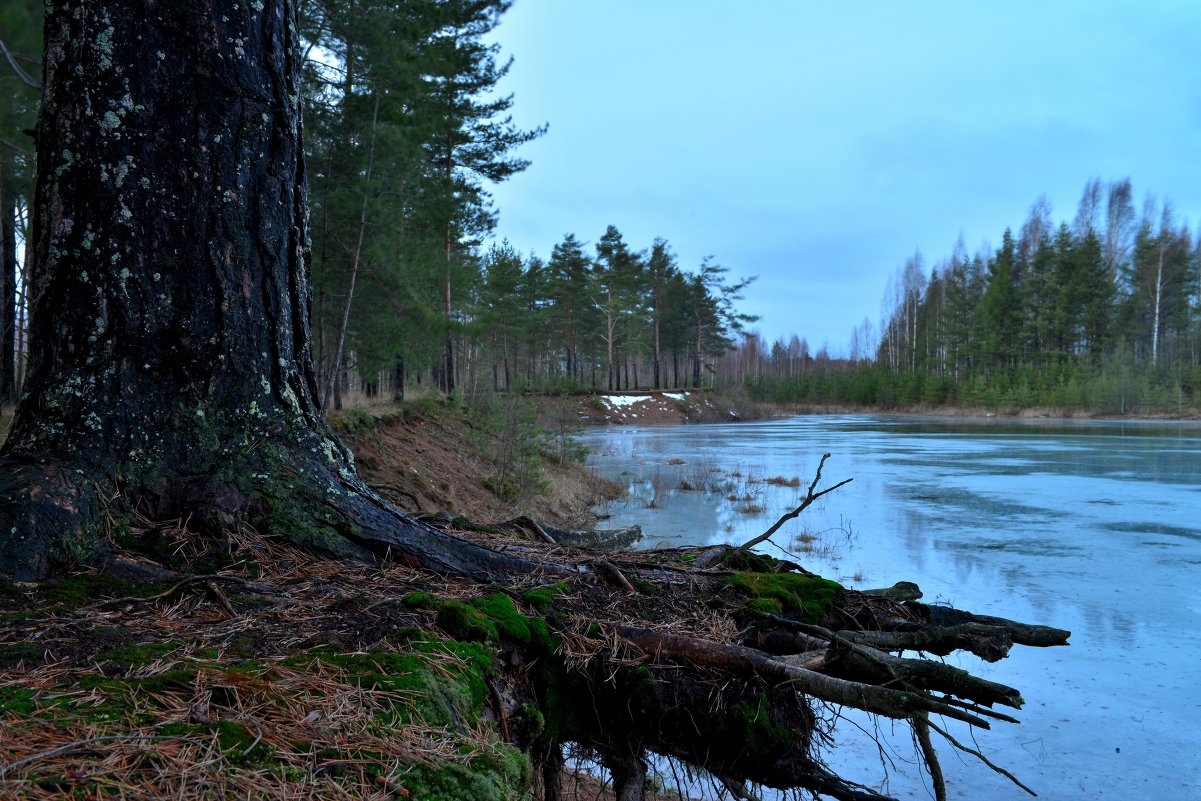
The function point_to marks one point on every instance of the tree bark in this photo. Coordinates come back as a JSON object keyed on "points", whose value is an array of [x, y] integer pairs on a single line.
{"points": [[170, 372]]}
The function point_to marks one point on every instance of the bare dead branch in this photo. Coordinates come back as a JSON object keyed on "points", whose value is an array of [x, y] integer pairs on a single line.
{"points": [[18, 69], [921, 731], [206, 580], [981, 757], [896, 704], [810, 497]]}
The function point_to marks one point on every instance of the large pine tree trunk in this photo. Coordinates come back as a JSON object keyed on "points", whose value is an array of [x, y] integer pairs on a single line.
{"points": [[170, 369]]}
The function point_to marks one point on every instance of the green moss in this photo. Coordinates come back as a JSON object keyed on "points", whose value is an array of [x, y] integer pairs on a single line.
{"points": [[27, 652], [12, 595], [500, 776], [463, 622], [352, 421], [510, 624], [541, 597], [565, 695], [641, 686], [443, 693], [418, 600], [751, 562], [765, 606], [138, 655], [17, 702], [88, 588], [173, 679], [806, 598], [494, 618], [239, 745], [177, 678], [750, 725], [532, 723]]}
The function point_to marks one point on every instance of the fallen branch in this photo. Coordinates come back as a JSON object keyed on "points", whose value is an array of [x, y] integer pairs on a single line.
{"points": [[614, 575], [1021, 633], [206, 580], [901, 591], [848, 653], [810, 497], [529, 524], [990, 643], [896, 704]]}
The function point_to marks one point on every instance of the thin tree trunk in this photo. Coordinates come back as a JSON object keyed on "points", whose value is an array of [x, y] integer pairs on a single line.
{"points": [[1158, 303], [358, 253], [8, 290], [21, 323], [658, 353]]}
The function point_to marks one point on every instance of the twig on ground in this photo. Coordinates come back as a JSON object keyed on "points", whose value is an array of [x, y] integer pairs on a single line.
{"points": [[130, 599], [62, 749]]}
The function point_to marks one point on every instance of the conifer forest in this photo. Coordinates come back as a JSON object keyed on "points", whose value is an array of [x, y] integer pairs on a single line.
{"points": [[407, 127]]}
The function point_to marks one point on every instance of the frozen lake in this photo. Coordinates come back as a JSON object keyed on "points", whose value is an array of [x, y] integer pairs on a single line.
{"points": [[1089, 526]]}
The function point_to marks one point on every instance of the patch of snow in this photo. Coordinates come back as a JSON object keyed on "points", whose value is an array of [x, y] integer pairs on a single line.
{"points": [[624, 400], [679, 396]]}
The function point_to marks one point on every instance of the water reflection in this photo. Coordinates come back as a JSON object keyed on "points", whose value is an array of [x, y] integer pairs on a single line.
{"points": [[1090, 526]]}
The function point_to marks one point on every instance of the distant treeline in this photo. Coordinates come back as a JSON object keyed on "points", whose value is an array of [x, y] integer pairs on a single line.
{"points": [[1103, 313]]}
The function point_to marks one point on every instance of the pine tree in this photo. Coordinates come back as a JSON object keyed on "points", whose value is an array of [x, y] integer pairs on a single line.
{"points": [[20, 75], [996, 325], [614, 286], [569, 295], [475, 136], [503, 319], [660, 268]]}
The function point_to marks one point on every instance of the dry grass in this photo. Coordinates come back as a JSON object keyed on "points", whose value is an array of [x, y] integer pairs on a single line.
{"points": [[781, 481], [223, 705]]}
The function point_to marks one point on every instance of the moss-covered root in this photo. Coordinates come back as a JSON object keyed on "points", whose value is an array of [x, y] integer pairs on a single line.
{"points": [[805, 598]]}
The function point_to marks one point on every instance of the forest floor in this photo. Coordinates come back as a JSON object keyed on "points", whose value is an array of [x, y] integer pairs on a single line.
{"points": [[262, 671], [282, 675]]}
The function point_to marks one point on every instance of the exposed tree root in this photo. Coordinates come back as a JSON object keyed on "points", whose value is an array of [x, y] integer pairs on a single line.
{"points": [[644, 652]]}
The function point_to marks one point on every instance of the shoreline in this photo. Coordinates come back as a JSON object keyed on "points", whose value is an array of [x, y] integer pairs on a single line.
{"points": [[727, 408], [982, 412]]}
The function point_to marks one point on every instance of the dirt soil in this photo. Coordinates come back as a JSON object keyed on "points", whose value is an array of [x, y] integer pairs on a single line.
{"points": [[653, 407], [427, 462]]}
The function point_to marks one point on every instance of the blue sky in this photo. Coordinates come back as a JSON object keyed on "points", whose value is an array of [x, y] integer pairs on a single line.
{"points": [[818, 145]]}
